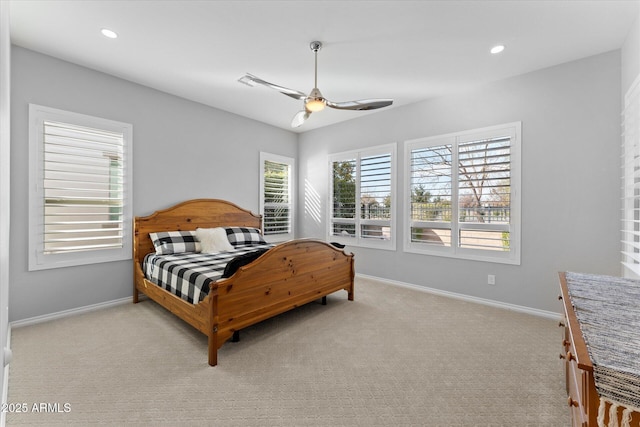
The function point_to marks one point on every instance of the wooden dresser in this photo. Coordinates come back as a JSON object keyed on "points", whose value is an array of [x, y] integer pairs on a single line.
{"points": [[583, 399]]}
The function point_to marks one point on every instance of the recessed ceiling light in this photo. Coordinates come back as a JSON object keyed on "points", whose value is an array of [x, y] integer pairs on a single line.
{"points": [[497, 49], [108, 33]]}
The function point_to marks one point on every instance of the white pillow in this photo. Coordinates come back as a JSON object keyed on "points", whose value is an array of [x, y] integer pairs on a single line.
{"points": [[213, 240]]}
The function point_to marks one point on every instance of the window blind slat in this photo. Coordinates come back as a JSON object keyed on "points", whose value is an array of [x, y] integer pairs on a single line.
{"points": [[629, 244], [83, 222], [110, 230], [70, 249], [80, 133]]}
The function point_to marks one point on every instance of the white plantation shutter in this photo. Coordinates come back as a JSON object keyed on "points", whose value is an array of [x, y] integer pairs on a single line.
{"points": [[484, 193], [431, 195], [80, 208], [375, 197], [343, 216], [631, 182], [362, 197], [83, 188], [277, 203], [276, 197], [463, 196]]}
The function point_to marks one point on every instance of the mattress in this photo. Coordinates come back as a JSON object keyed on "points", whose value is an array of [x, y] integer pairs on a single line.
{"points": [[189, 275]]}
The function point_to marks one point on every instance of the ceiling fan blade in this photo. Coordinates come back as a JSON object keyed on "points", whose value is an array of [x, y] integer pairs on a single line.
{"points": [[300, 118], [251, 80], [363, 104]]}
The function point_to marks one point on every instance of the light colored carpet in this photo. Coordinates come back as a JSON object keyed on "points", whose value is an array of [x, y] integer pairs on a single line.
{"points": [[392, 357]]}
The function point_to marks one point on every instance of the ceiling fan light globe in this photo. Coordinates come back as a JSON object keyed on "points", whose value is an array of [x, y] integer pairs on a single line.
{"points": [[315, 104]]}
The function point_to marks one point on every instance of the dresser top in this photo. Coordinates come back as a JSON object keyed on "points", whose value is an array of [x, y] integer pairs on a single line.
{"points": [[608, 313]]}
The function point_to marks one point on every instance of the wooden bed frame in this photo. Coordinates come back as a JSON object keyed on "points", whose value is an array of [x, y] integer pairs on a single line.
{"points": [[287, 276]]}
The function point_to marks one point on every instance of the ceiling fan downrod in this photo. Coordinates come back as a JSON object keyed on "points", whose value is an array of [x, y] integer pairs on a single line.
{"points": [[315, 101], [315, 47]]}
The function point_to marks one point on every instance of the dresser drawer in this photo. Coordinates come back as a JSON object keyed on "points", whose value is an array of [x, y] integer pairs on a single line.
{"points": [[576, 394], [575, 381]]}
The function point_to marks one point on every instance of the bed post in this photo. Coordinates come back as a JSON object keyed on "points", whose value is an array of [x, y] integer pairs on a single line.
{"points": [[135, 289], [135, 261], [213, 328], [351, 290]]}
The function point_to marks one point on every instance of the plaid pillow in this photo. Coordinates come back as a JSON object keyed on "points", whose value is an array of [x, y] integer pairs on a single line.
{"points": [[244, 236], [174, 242]]}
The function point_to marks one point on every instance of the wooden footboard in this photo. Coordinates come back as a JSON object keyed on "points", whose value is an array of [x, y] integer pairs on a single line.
{"points": [[288, 276], [285, 277]]}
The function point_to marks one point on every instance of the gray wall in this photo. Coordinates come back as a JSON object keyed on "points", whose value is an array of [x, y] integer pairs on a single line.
{"points": [[631, 56], [570, 159], [181, 150], [570, 178], [5, 189]]}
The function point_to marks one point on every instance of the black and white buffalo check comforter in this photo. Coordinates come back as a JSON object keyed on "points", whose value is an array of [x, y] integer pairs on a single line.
{"points": [[188, 275]]}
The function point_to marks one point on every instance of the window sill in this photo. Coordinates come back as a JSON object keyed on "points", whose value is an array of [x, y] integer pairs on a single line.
{"points": [[466, 255], [386, 245]]}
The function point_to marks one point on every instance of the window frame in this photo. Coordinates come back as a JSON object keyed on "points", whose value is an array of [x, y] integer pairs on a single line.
{"points": [[38, 260], [275, 158], [630, 239], [390, 149], [514, 130]]}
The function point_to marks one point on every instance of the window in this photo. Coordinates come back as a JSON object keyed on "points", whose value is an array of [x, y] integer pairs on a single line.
{"points": [[363, 196], [276, 197], [631, 182], [463, 194], [80, 180]]}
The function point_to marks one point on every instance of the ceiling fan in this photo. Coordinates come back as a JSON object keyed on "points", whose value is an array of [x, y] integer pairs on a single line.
{"points": [[314, 101]]}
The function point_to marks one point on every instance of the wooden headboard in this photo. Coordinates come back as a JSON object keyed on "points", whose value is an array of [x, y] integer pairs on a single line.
{"points": [[189, 215]]}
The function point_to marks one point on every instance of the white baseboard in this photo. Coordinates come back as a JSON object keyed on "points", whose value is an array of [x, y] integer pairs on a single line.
{"points": [[477, 300], [67, 313], [519, 308]]}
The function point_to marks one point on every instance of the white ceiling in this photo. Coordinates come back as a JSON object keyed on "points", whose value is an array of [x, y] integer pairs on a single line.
{"points": [[405, 50]]}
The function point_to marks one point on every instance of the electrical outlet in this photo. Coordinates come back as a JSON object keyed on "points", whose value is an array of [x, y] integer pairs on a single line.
{"points": [[491, 279]]}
